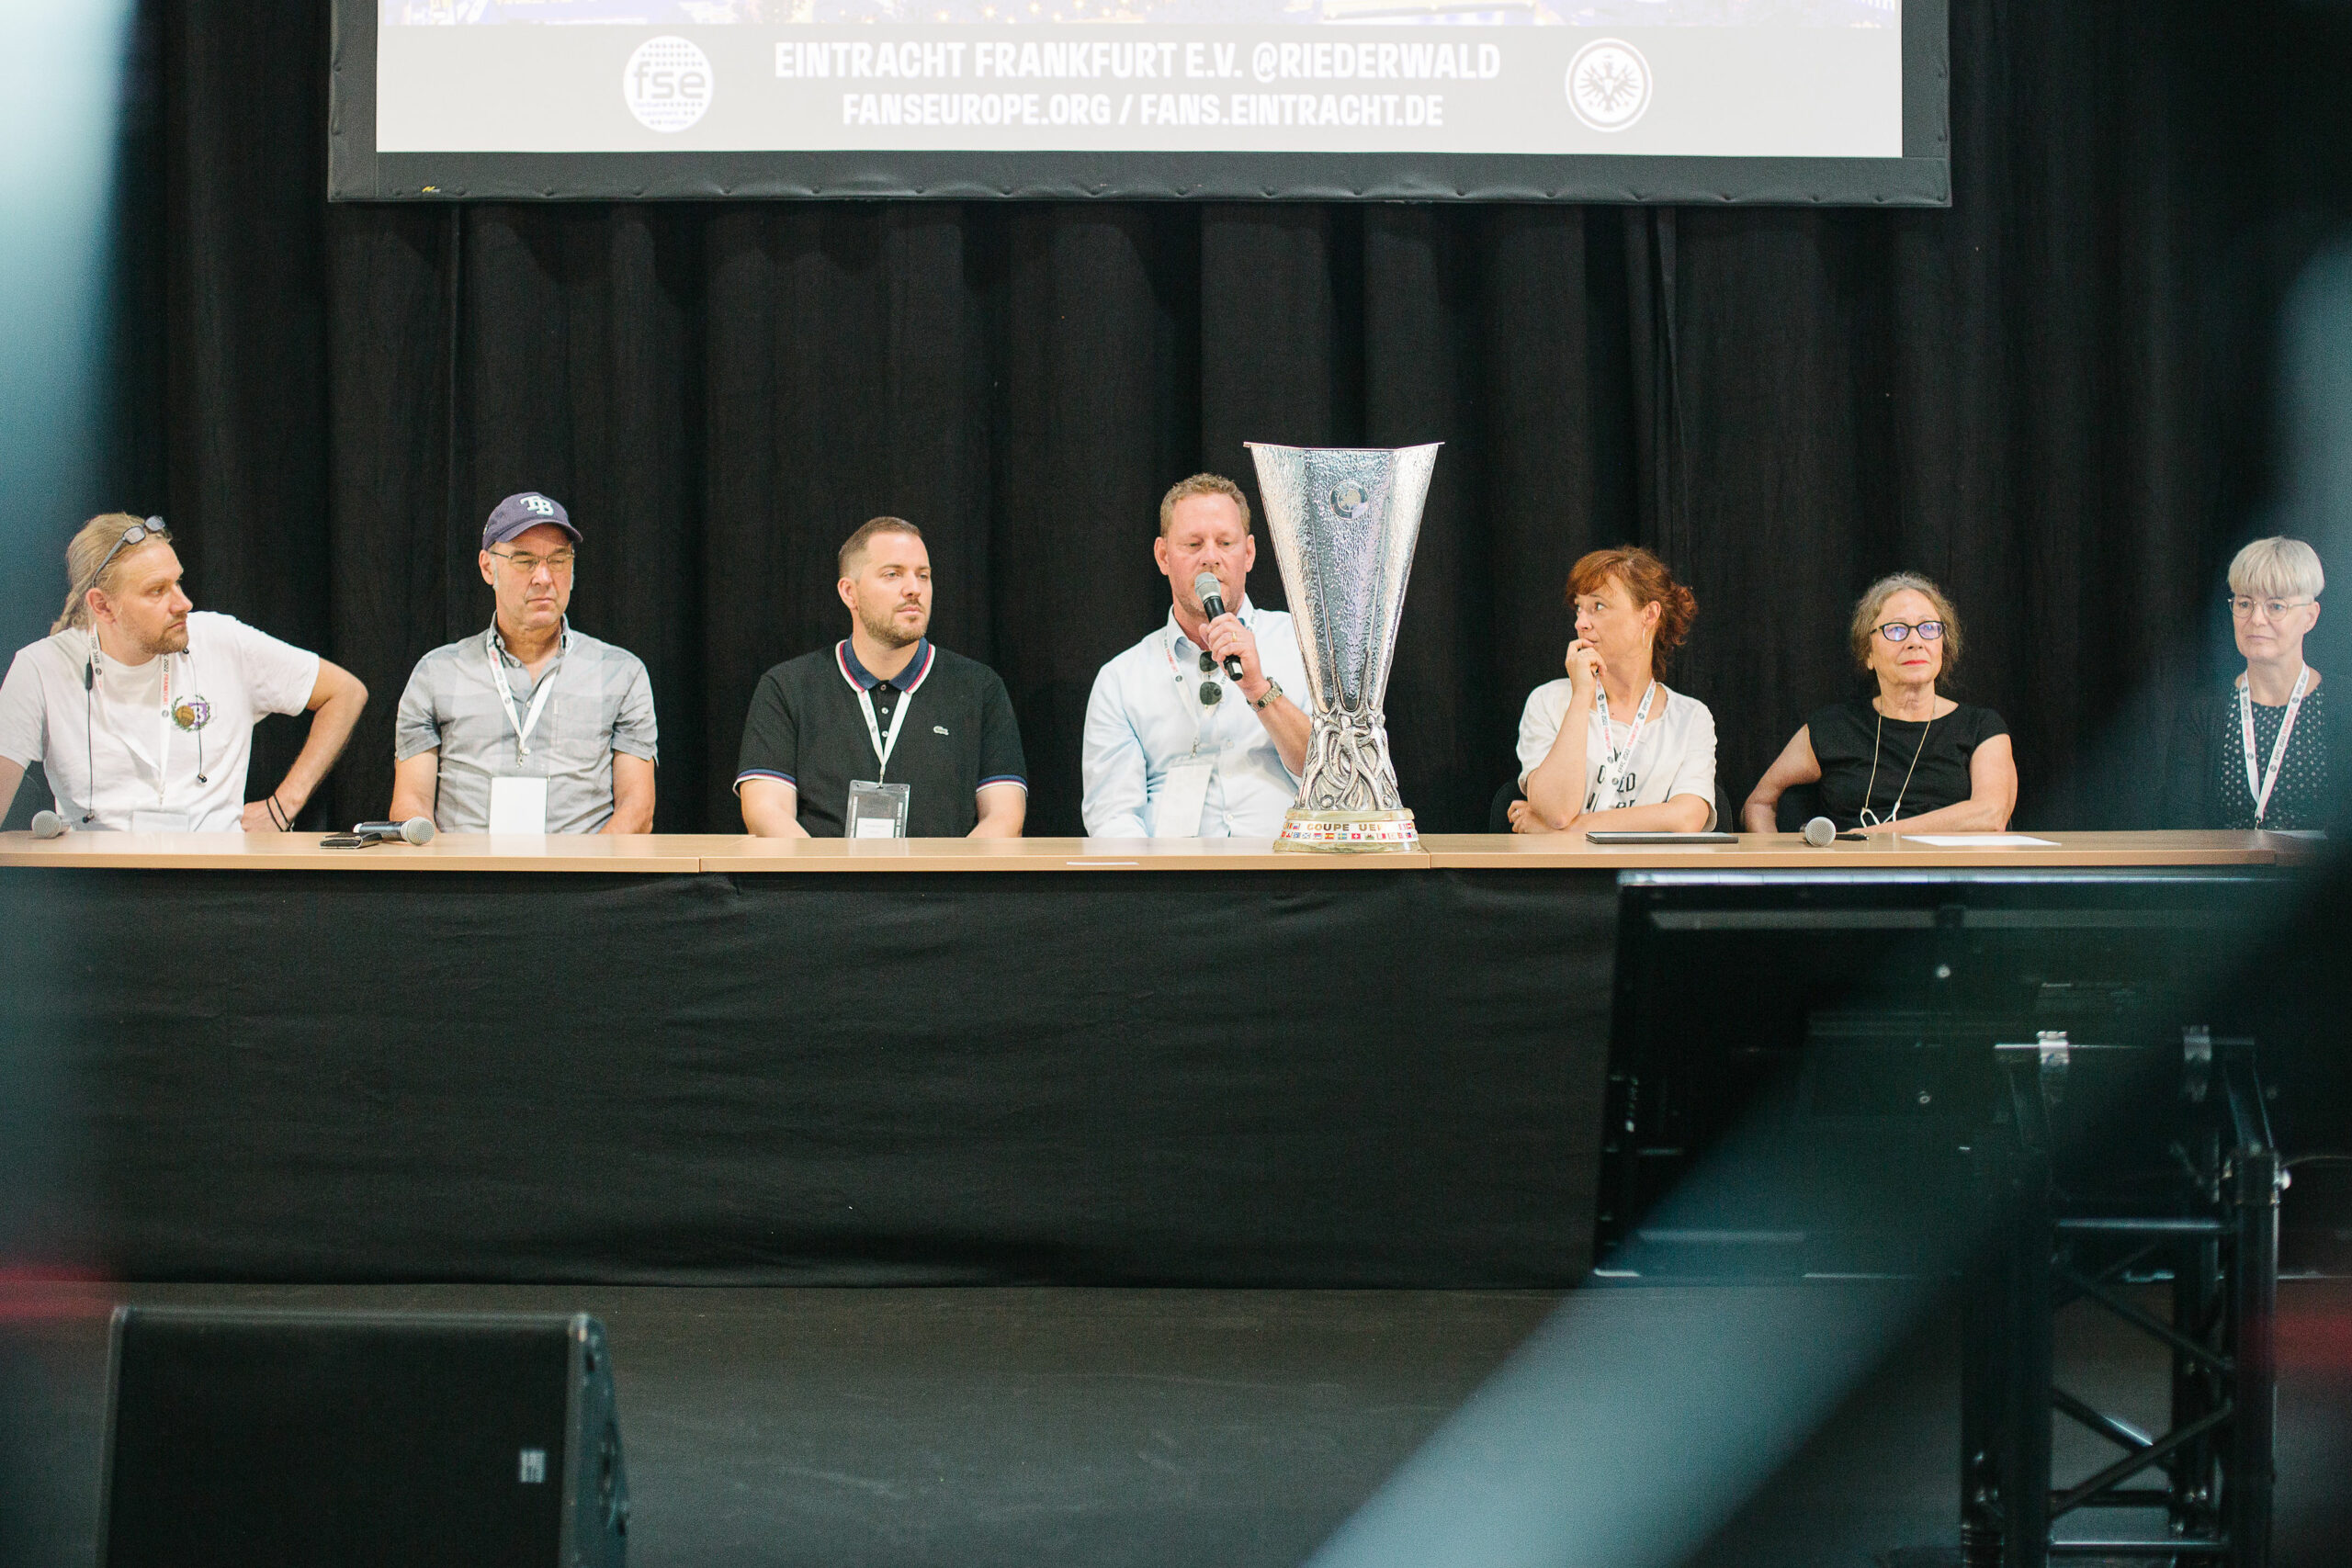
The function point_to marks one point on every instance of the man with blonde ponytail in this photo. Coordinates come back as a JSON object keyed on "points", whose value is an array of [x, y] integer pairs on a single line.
{"points": [[140, 708]]}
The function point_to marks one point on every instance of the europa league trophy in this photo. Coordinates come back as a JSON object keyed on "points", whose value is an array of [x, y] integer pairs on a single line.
{"points": [[1343, 522]]}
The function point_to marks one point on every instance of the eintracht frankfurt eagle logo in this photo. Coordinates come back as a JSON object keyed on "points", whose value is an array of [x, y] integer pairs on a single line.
{"points": [[1609, 84]]}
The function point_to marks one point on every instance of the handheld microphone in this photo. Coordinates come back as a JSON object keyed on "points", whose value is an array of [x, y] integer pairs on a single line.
{"points": [[1821, 832], [415, 831], [47, 824], [1210, 594]]}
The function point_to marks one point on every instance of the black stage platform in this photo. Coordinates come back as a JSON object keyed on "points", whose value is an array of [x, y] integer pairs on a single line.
{"points": [[1108, 1428]]}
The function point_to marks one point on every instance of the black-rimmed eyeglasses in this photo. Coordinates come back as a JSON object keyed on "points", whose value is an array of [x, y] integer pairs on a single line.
{"points": [[1895, 631]]}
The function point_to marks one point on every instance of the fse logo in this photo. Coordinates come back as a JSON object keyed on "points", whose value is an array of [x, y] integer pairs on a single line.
{"points": [[667, 83]]}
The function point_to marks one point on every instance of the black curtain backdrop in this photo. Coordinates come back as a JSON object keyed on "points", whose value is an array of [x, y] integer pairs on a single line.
{"points": [[2052, 397]]}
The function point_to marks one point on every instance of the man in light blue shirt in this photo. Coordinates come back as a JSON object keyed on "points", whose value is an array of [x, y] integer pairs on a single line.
{"points": [[1176, 746]]}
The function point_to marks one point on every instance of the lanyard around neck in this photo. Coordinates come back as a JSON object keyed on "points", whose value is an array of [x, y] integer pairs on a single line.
{"points": [[164, 736], [2259, 786], [525, 726], [883, 744], [1869, 817], [1604, 784]]}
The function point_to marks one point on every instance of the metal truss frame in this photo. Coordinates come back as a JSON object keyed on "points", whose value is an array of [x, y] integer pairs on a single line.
{"points": [[2211, 1472]]}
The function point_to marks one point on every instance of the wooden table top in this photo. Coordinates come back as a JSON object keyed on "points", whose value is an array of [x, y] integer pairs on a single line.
{"points": [[1778, 851], [676, 853], [301, 851], [749, 854]]}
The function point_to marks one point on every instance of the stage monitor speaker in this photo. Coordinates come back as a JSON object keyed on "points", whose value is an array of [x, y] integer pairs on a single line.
{"points": [[268, 1439]]}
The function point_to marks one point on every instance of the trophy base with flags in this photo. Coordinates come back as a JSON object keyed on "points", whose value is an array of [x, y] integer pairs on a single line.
{"points": [[1343, 522], [1348, 833]]}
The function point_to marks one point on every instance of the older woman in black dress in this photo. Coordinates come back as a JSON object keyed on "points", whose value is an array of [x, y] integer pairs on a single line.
{"points": [[2264, 752], [1908, 759]]}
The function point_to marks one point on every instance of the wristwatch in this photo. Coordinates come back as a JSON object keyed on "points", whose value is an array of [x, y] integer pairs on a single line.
{"points": [[1273, 689]]}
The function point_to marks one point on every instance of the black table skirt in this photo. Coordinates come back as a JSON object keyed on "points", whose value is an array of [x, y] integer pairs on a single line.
{"points": [[1246, 1078]]}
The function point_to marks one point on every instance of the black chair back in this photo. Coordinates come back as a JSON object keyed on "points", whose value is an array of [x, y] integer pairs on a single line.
{"points": [[1798, 805], [1498, 814]]}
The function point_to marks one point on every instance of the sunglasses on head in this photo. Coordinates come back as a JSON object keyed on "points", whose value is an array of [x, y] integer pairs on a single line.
{"points": [[136, 534]]}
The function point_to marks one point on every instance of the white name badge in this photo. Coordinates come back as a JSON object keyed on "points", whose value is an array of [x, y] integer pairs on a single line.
{"points": [[877, 810], [518, 807], [1183, 794], [161, 822]]}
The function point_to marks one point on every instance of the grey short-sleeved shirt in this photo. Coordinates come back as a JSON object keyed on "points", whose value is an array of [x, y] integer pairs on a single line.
{"points": [[602, 702]]}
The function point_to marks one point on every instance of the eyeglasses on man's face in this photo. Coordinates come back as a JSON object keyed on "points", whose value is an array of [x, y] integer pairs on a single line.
{"points": [[528, 564], [2242, 608], [1895, 631]]}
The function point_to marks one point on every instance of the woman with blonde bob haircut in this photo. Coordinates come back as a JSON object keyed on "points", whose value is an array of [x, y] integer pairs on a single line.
{"points": [[1609, 746], [1908, 759], [2263, 752]]}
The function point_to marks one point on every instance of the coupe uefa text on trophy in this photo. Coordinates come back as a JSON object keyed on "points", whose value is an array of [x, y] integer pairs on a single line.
{"points": [[1343, 522]]}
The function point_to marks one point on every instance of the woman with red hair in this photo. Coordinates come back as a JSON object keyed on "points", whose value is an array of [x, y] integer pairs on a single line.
{"points": [[1609, 746]]}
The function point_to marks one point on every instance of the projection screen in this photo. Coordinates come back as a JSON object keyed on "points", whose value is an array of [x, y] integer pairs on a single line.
{"points": [[1797, 101]]}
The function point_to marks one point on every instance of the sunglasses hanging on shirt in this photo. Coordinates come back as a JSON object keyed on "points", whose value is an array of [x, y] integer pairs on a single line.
{"points": [[1211, 693]]}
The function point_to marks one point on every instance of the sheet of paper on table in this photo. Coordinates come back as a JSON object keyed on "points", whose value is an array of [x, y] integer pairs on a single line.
{"points": [[1982, 840]]}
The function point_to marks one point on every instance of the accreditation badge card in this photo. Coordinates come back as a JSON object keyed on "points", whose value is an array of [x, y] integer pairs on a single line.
{"points": [[519, 807], [876, 810], [1184, 795]]}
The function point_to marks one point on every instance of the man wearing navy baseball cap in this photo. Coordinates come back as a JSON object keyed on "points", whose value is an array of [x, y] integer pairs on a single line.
{"points": [[531, 727]]}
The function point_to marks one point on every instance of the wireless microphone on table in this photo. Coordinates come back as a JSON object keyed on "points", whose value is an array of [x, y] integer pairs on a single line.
{"points": [[415, 831]]}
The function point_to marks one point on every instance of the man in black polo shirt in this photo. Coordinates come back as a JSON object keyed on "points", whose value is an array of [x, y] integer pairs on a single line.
{"points": [[884, 703]]}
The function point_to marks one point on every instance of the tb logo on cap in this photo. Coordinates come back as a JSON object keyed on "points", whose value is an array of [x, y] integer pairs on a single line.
{"points": [[522, 511]]}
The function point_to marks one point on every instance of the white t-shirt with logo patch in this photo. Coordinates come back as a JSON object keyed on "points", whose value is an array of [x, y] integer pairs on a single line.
{"points": [[148, 767], [1676, 753]]}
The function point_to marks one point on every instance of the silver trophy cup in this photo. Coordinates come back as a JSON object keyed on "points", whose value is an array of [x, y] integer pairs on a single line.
{"points": [[1343, 522]]}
